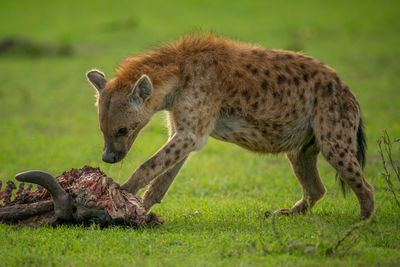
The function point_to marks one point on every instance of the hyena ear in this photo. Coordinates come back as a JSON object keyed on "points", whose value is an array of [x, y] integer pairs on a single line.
{"points": [[97, 79], [141, 91]]}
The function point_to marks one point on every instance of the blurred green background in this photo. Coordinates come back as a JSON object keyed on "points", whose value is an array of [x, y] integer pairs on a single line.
{"points": [[48, 120]]}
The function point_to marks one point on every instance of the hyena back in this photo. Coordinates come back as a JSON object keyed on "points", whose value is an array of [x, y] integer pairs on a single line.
{"points": [[266, 101]]}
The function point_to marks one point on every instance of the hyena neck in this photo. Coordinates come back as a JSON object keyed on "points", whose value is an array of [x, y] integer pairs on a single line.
{"points": [[161, 67], [163, 96]]}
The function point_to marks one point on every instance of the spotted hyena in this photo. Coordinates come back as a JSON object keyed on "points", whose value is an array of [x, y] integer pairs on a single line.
{"points": [[266, 101]]}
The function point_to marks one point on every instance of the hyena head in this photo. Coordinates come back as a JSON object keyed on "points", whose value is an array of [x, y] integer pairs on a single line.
{"points": [[122, 113]]}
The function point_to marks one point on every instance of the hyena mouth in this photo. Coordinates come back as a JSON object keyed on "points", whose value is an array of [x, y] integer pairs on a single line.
{"points": [[120, 156]]}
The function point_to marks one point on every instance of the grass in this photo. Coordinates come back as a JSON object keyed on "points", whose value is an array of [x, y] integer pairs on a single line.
{"points": [[214, 212]]}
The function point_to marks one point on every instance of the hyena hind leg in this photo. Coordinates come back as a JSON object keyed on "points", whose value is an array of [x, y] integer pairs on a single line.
{"points": [[304, 165], [342, 156], [343, 146]]}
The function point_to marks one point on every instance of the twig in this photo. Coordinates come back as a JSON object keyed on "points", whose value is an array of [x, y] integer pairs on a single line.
{"points": [[340, 241], [387, 147], [361, 225], [389, 154]]}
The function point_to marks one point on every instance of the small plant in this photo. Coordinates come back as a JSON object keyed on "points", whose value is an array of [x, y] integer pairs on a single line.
{"points": [[390, 166]]}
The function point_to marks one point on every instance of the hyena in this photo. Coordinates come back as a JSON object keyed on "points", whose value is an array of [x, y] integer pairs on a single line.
{"points": [[266, 101]]}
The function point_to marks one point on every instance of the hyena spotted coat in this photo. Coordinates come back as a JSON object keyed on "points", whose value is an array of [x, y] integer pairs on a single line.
{"points": [[266, 101]]}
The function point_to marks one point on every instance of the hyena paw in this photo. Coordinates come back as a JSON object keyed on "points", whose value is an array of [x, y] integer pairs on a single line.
{"points": [[283, 212], [300, 207]]}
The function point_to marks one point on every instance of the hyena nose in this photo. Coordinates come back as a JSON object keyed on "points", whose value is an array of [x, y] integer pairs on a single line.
{"points": [[110, 157]]}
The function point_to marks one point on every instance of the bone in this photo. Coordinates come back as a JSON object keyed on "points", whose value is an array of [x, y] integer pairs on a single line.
{"points": [[20, 189], [7, 193], [62, 202], [22, 211]]}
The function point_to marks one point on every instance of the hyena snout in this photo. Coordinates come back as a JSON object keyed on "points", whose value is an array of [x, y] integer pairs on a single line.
{"points": [[112, 155], [109, 157]]}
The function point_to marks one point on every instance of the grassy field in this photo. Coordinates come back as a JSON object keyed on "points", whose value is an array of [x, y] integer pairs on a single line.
{"points": [[214, 212]]}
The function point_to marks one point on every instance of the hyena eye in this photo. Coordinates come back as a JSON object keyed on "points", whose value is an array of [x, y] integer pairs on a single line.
{"points": [[121, 132]]}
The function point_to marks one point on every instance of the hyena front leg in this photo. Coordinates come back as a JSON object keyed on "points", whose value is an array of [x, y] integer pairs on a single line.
{"points": [[304, 164], [174, 151], [159, 186]]}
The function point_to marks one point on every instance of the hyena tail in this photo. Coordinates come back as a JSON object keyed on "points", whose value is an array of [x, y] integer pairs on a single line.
{"points": [[361, 150], [361, 144]]}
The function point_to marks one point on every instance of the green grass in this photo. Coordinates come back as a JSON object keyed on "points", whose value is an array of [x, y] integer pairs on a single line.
{"points": [[214, 212]]}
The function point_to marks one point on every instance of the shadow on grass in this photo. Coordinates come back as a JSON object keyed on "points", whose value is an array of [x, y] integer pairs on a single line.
{"points": [[127, 24], [14, 46]]}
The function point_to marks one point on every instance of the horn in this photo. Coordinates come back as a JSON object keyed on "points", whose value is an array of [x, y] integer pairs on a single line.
{"points": [[61, 199]]}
